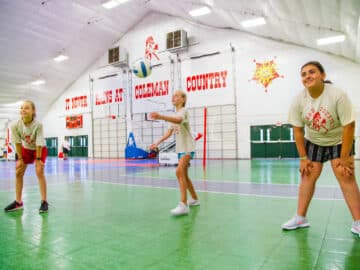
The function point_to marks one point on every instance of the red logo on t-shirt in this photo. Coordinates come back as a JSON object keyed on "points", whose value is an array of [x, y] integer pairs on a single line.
{"points": [[320, 120], [27, 139]]}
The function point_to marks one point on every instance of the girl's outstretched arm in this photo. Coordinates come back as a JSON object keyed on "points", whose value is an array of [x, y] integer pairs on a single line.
{"points": [[171, 119], [168, 133]]}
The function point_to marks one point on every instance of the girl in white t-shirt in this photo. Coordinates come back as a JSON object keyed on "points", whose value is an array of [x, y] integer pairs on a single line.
{"points": [[185, 147], [327, 116], [27, 135]]}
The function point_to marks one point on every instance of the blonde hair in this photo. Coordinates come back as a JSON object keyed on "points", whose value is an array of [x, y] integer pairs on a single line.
{"points": [[183, 95], [32, 104]]}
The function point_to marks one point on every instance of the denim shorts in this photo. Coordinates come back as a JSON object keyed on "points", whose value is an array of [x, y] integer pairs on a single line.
{"points": [[180, 155], [322, 154]]}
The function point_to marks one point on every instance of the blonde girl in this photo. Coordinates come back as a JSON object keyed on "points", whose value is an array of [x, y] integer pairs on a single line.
{"points": [[185, 148]]}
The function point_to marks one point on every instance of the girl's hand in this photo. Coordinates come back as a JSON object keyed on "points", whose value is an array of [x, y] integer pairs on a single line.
{"points": [[347, 166], [153, 146], [155, 115], [305, 167]]}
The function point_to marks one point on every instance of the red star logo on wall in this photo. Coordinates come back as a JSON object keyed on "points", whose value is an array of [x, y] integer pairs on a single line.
{"points": [[265, 73]]}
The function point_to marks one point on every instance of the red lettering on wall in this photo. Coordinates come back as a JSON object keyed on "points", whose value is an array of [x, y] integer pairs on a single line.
{"points": [[67, 104], [119, 94], [188, 84], [76, 102], [212, 80], [109, 96], [151, 89]]}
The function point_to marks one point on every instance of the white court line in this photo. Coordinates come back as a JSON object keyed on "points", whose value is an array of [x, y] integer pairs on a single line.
{"points": [[223, 181], [170, 188], [216, 192]]}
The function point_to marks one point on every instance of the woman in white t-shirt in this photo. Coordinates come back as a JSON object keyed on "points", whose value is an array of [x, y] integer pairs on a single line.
{"points": [[185, 147], [327, 115]]}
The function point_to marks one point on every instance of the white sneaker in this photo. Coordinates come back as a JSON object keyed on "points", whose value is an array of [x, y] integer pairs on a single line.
{"points": [[355, 228], [180, 209], [296, 222], [193, 202]]}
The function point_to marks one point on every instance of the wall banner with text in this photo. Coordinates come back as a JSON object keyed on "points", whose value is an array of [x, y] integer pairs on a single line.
{"points": [[152, 93], [108, 97], [208, 81]]}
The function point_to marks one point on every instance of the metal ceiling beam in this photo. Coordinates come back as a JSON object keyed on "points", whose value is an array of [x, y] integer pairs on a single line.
{"points": [[357, 45]]}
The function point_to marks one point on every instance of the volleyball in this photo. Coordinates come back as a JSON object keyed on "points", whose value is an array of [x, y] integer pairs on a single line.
{"points": [[142, 68]]}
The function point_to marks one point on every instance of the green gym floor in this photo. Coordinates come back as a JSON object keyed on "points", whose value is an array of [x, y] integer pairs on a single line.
{"points": [[114, 214]]}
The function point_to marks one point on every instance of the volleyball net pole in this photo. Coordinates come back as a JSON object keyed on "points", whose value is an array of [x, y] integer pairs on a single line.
{"points": [[205, 136]]}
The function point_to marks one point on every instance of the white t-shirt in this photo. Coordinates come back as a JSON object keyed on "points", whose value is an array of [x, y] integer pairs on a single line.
{"points": [[30, 136], [323, 117], [184, 140]]}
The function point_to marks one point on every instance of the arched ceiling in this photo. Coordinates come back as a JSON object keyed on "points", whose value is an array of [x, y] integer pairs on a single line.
{"points": [[33, 32]]}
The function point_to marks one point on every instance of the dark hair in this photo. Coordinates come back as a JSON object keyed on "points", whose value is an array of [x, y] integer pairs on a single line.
{"points": [[319, 67]]}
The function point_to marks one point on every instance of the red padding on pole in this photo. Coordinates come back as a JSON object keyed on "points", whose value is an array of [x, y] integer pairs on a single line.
{"points": [[205, 136]]}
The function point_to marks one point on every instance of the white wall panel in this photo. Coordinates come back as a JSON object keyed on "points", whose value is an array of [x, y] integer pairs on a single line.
{"points": [[251, 105]]}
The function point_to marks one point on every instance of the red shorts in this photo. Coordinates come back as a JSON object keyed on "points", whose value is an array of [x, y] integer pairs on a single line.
{"points": [[29, 155]]}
